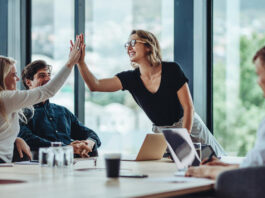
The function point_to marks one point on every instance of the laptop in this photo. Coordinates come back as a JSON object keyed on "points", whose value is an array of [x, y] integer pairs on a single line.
{"points": [[181, 147], [153, 148]]}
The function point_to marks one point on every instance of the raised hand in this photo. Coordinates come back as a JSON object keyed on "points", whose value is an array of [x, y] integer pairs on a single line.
{"points": [[83, 49], [75, 52]]}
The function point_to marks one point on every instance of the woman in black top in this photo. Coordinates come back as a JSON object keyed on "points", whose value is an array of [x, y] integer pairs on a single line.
{"points": [[159, 88]]}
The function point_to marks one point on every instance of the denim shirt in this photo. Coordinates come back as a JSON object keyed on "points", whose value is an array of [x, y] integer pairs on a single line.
{"points": [[52, 123]]}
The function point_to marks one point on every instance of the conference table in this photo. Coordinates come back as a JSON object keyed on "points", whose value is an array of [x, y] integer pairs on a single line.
{"points": [[88, 179]]}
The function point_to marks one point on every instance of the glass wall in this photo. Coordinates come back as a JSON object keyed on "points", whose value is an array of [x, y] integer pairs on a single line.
{"points": [[239, 27], [52, 29], [116, 117]]}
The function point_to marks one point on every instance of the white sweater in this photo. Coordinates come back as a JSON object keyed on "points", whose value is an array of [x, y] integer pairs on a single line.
{"points": [[15, 100]]}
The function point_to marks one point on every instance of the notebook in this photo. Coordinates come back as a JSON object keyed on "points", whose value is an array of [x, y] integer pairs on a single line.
{"points": [[153, 148]]}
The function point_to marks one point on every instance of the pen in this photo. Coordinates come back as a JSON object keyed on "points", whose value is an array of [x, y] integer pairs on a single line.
{"points": [[209, 158]]}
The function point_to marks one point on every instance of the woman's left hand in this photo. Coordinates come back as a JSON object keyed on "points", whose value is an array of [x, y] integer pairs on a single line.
{"points": [[75, 52], [23, 147], [81, 60]]}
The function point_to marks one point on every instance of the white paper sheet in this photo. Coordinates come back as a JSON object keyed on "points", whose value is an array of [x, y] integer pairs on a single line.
{"points": [[180, 179]]}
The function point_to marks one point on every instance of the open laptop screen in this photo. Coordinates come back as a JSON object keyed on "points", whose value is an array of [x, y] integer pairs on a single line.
{"points": [[181, 147]]}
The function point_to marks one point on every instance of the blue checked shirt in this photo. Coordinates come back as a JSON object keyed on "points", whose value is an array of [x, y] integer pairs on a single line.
{"points": [[53, 123]]}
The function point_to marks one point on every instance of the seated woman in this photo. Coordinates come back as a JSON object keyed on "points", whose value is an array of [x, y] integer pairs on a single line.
{"points": [[12, 101], [159, 88], [256, 157]]}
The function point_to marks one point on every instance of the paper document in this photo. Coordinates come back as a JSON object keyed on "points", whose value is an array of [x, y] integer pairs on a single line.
{"points": [[181, 172], [6, 165], [27, 163], [181, 180], [232, 159]]}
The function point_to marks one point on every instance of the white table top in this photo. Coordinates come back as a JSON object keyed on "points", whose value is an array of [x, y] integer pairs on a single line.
{"points": [[232, 159], [87, 180]]}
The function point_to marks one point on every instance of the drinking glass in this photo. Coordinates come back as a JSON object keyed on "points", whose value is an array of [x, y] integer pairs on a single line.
{"points": [[45, 157], [68, 156]]}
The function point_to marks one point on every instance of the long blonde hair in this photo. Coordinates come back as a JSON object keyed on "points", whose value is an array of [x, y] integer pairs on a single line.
{"points": [[5, 67], [154, 56]]}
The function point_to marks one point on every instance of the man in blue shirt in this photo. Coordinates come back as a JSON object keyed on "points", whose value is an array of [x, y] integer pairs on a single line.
{"points": [[51, 122]]}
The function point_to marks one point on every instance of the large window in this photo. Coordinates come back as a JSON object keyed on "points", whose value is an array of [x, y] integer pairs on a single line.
{"points": [[239, 27], [52, 29], [116, 117]]}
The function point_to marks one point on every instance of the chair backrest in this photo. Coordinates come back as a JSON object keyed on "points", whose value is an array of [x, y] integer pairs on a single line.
{"points": [[243, 182]]}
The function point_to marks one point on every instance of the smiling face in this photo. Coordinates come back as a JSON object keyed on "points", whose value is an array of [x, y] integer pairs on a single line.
{"points": [[11, 79], [260, 71], [138, 52], [40, 78]]}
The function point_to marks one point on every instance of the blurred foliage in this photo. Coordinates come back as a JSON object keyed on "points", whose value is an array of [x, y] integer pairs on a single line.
{"points": [[238, 133]]}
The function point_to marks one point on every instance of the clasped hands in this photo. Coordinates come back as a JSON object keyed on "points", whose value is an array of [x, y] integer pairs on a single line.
{"points": [[83, 147]]}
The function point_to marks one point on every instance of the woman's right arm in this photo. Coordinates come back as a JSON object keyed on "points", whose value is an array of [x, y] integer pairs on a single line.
{"points": [[17, 99], [102, 85]]}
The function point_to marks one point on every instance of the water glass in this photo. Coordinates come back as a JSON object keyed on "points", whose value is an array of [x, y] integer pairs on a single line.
{"points": [[58, 158], [46, 157], [68, 156]]}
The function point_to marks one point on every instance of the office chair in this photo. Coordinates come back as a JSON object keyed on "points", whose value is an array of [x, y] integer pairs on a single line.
{"points": [[241, 183]]}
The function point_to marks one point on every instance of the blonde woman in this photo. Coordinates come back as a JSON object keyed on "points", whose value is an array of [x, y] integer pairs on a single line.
{"points": [[12, 101], [159, 88]]}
